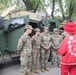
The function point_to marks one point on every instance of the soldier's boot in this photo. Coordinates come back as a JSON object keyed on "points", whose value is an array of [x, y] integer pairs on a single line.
{"points": [[59, 66], [52, 66], [36, 71], [26, 73], [31, 73], [42, 70], [46, 69], [22, 72]]}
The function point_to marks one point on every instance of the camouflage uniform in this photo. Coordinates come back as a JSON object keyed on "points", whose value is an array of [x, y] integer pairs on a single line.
{"points": [[64, 34], [56, 41], [45, 42], [25, 48], [36, 40]]}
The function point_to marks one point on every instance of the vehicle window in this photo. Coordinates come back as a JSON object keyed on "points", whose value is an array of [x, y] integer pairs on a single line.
{"points": [[52, 25]]}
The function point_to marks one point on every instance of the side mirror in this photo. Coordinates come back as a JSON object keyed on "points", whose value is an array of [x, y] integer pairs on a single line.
{"points": [[1, 23]]}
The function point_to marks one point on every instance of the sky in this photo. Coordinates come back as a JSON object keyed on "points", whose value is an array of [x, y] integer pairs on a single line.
{"points": [[49, 12], [56, 7]]}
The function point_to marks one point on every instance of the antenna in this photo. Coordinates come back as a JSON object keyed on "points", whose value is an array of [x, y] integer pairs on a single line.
{"points": [[7, 11]]}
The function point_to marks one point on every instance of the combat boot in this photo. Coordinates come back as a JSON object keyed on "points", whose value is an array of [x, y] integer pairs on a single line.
{"points": [[42, 70], [46, 69], [22, 72], [51, 66], [31, 73], [59, 66], [36, 71], [26, 73]]}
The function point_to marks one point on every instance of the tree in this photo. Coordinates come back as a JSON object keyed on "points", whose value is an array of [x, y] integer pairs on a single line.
{"points": [[53, 7], [37, 6], [70, 8], [4, 4], [31, 4], [61, 6], [64, 7]]}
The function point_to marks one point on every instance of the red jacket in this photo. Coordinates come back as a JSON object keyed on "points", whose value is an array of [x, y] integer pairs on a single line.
{"points": [[68, 50]]}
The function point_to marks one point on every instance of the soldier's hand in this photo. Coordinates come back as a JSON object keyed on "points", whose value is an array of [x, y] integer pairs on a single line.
{"points": [[57, 47], [47, 48]]}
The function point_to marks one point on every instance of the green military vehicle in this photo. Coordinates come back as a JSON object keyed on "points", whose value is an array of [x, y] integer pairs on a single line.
{"points": [[12, 28], [9, 35], [10, 31], [51, 23]]}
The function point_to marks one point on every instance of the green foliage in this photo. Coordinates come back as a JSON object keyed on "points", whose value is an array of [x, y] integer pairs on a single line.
{"points": [[70, 10], [30, 4], [4, 4], [58, 17], [66, 8]]}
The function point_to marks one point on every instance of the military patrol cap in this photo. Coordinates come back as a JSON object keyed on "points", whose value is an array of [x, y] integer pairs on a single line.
{"points": [[28, 27], [46, 27], [36, 29]]}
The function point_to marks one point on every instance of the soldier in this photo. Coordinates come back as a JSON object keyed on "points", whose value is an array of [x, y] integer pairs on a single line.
{"points": [[25, 48], [45, 49], [56, 41], [36, 40], [64, 34]]}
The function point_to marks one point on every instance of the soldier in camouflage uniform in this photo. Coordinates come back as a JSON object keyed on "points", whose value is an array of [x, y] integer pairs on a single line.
{"points": [[45, 49], [64, 34], [36, 40], [56, 41], [25, 48]]}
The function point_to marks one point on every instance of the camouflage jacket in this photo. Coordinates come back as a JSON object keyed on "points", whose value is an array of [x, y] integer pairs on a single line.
{"points": [[36, 40], [45, 40], [56, 40], [24, 44]]}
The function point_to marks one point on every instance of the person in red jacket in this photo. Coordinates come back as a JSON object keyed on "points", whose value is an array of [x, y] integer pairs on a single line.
{"points": [[68, 50]]}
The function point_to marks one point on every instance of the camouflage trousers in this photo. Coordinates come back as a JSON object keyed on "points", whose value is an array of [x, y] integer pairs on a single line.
{"points": [[26, 65], [44, 57], [55, 58], [35, 59]]}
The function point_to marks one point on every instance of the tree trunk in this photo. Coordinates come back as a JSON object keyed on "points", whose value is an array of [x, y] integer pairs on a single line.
{"points": [[28, 5], [71, 9], [52, 13], [37, 6], [61, 6]]}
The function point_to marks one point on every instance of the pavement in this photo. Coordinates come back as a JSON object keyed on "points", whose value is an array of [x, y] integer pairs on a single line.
{"points": [[12, 67]]}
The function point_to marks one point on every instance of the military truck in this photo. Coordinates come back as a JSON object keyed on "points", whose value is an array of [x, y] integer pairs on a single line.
{"points": [[12, 27], [51, 23]]}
